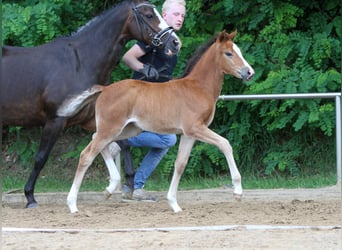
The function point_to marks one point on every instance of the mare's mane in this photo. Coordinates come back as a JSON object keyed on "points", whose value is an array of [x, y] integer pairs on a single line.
{"points": [[98, 18], [198, 54]]}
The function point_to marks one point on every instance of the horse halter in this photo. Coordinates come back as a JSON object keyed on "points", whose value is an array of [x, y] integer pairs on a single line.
{"points": [[157, 38]]}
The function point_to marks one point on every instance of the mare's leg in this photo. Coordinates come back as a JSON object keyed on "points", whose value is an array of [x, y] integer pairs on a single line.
{"points": [[206, 135], [48, 139], [108, 153], [86, 159], [128, 162], [185, 146]]}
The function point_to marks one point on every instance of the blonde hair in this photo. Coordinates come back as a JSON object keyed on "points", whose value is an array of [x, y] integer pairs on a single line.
{"points": [[167, 4]]}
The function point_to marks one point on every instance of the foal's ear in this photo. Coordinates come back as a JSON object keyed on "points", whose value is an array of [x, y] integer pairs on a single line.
{"points": [[224, 36], [232, 35]]}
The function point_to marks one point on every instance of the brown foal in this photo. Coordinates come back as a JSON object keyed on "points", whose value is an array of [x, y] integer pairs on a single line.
{"points": [[184, 106]]}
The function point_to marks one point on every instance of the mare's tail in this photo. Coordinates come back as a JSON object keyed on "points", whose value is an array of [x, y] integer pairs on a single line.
{"points": [[74, 104]]}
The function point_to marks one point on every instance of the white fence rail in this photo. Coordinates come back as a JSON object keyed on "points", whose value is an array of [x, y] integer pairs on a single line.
{"points": [[336, 96]]}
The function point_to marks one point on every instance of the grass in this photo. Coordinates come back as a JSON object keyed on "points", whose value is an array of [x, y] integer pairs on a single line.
{"points": [[53, 184], [251, 182]]}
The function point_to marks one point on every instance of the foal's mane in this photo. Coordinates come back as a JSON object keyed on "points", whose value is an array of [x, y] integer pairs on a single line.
{"points": [[198, 54]]}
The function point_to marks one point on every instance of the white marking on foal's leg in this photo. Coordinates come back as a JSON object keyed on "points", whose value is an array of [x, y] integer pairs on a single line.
{"points": [[185, 146], [174, 205], [236, 177], [114, 149], [107, 153], [80, 172], [172, 200], [172, 193], [86, 158], [227, 150], [72, 199]]}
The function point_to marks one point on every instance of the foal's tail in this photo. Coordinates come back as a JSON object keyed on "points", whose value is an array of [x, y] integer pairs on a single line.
{"points": [[72, 105]]}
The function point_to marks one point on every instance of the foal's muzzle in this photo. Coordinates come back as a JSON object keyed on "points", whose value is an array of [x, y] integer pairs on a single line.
{"points": [[246, 73]]}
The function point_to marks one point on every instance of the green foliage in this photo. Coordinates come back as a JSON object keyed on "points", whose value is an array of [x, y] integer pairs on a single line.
{"points": [[28, 23], [24, 146], [282, 159], [294, 47], [75, 153]]}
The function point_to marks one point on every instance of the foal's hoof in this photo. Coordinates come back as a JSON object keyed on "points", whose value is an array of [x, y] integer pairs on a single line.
{"points": [[238, 197], [74, 211], [106, 194], [31, 205]]}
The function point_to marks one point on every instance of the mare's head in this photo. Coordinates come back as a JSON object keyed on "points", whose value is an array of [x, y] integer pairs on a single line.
{"points": [[148, 26], [232, 61]]}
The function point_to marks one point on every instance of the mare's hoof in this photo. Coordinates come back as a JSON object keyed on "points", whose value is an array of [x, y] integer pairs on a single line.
{"points": [[31, 205], [106, 194], [238, 197]]}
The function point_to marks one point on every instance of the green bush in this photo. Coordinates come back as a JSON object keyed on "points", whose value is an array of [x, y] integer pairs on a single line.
{"points": [[30, 23], [294, 47]]}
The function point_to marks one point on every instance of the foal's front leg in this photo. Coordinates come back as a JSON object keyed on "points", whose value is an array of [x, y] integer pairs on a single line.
{"points": [[185, 146], [206, 135]]}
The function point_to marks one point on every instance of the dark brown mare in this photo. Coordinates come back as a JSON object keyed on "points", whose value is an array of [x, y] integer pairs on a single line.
{"points": [[35, 81], [185, 106]]}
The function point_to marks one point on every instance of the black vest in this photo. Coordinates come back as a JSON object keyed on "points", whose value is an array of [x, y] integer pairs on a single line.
{"points": [[157, 58]]}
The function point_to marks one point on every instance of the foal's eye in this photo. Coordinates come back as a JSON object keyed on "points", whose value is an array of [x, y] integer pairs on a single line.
{"points": [[228, 54], [149, 16]]}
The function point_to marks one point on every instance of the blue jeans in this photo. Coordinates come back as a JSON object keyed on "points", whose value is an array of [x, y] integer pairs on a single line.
{"points": [[159, 144]]}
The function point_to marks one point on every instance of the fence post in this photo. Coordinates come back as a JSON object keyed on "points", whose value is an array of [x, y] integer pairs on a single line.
{"points": [[338, 137]]}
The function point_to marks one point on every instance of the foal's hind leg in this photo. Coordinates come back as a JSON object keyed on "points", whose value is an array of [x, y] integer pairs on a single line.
{"points": [[108, 153], [86, 159], [185, 146]]}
